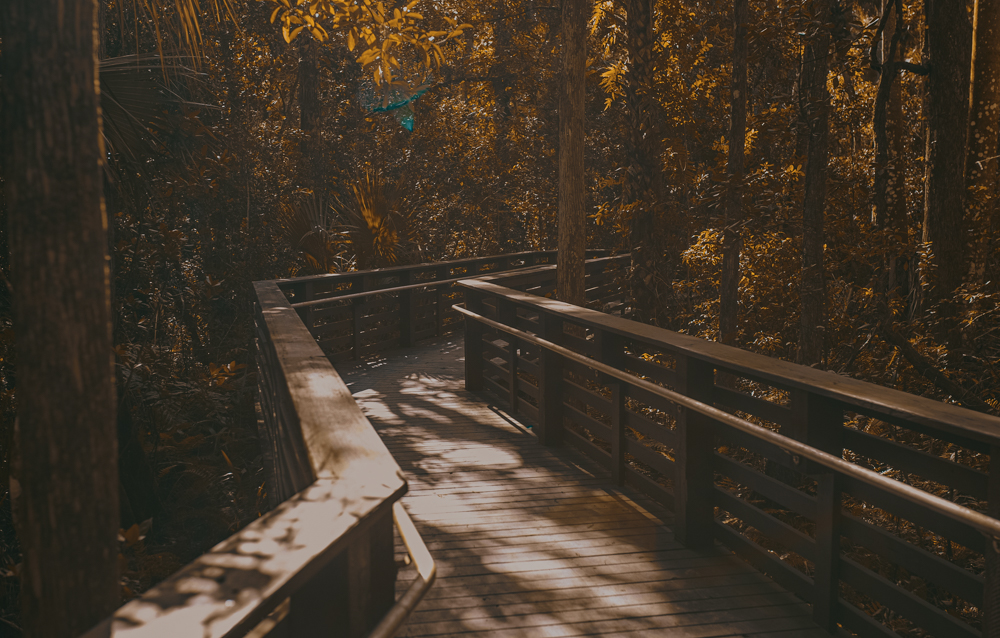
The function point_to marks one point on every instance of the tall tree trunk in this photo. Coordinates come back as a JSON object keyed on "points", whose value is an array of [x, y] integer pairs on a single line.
{"points": [[884, 189], [732, 241], [984, 131], [639, 192], [889, 205], [65, 477], [309, 111], [510, 234], [948, 49], [816, 106], [572, 99]]}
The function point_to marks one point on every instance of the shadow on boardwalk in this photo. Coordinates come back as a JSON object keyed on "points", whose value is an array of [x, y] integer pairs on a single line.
{"points": [[533, 541]]}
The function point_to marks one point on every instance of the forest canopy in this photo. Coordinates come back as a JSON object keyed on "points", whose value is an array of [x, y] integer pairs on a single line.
{"points": [[813, 180]]}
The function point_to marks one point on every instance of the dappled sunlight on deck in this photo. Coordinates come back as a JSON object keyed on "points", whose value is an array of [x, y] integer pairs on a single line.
{"points": [[535, 541]]}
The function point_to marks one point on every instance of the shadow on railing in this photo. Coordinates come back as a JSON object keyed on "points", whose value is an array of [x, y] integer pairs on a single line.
{"points": [[770, 458]]}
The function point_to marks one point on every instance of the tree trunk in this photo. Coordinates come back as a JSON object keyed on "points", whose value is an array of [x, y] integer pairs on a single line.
{"points": [[889, 201], [572, 99], [948, 50], [729, 292], [884, 189], [816, 106], [639, 192], [984, 131], [309, 111], [66, 477]]}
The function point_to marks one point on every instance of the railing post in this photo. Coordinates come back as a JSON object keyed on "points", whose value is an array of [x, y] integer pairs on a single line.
{"points": [[439, 308], [507, 314], [307, 312], [612, 347], [349, 595], [473, 342], [357, 308], [550, 382], [991, 592], [819, 421], [407, 311], [694, 480]]}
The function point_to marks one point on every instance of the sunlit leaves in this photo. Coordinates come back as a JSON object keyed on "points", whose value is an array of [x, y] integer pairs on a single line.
{"points": [[372, 26]]}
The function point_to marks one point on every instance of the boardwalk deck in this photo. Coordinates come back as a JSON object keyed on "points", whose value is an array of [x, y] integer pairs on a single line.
{"points": [[534, 541]]}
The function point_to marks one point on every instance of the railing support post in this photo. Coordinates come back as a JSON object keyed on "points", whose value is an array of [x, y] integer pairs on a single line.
{"points": [[307, 313], [550, 382], [473, 343], [991, 592], [507, 314], [612, 349], [694, 479], [440, 307], [357, 310], [407, 311], [819, 422]]}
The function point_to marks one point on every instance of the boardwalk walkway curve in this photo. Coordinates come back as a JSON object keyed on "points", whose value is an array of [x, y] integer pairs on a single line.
{"points": [[534, 541]]}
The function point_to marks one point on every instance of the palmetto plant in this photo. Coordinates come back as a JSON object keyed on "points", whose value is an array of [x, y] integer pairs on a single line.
{"points": [[376, 221], [307, 224]]}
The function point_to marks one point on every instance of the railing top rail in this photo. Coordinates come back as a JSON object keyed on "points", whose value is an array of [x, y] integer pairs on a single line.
{"points": [[852, 392], [983, 523], [351, 447], [506, 274], [392, 270]]}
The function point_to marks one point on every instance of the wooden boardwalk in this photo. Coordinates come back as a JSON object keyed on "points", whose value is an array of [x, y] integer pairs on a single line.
{"points": [[534, 541]]}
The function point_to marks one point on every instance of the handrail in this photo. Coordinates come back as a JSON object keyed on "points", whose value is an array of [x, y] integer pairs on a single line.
{"points": [[985, 524], [426, 573], [437, 282], [368, 293]]}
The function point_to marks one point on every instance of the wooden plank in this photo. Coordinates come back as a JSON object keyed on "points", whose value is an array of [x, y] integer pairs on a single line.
{"points": [[908, 605], [935, 569], [769, 526], [766, 486], [902, 457]]}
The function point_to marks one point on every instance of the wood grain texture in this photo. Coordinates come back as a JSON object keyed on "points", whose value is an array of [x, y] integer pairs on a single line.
{"points": [[536, 541]]}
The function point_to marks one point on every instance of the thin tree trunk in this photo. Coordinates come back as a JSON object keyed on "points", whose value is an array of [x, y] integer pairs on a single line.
{"points": [[65, 478], [984, 130], [948, 53], [732, 241], [309, 111], [639, 192], [883, 188], [816, 100], [889, 201], [572, 98]]}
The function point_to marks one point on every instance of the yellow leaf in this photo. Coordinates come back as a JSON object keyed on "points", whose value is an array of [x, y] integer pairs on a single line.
{"points": [[350, 40]]}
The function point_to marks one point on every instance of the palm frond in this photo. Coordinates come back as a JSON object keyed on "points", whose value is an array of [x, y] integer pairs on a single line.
{"points": [[376, 221], [307, 223]]}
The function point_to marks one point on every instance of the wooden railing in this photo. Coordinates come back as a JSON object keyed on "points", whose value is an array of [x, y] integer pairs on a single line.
{"points": [[356, 314], [321, 562], [772, 459]]}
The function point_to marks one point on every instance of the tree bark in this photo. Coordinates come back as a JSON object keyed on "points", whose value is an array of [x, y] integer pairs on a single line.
{"points": [[948, 49], [732, 241], [640, 192], [309, 111], [572, 190], [984, 131], [884, 188], [816, 107], [65, 476], [889, 201]]}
